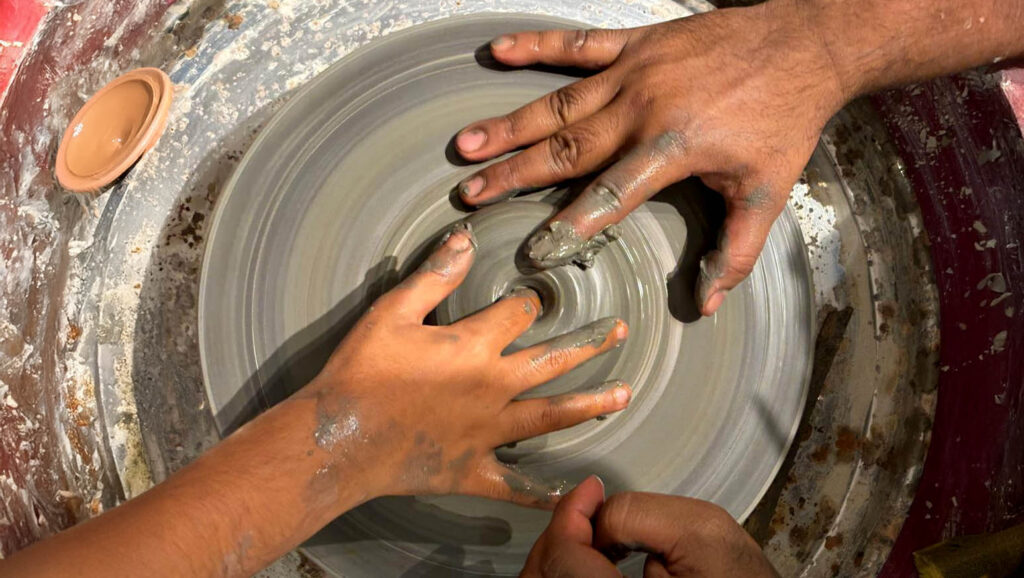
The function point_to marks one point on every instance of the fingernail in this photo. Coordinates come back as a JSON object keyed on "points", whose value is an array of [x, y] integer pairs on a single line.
{"points": [[710, 271], [600, 481], [528, 293], [621, 395], [471, 140], [621, 332], [471, 187], [460, 237], [503, 42], [714, 302]]}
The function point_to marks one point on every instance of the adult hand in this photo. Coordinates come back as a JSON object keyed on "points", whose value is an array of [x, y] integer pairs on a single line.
{"points": [[421, 408], [737, 97], [681, 536]]}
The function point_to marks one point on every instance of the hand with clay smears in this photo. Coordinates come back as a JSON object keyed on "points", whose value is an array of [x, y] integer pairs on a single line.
{"points": [[737, 97], [682, 537], [429, 404]]}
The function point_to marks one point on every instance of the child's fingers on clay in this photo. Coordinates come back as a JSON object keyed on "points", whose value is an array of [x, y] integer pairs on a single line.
{"points": [[545, 361], [537, 120], [574, 151], [534, 417], [436, 277], [590, 49], [505, 320]]}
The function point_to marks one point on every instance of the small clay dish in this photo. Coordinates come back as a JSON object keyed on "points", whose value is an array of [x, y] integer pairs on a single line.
{"points": [[115, 127]]}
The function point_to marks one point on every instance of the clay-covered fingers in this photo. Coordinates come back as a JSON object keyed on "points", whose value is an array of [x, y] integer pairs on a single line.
{"points": [[436, 277], [582, 48], [748, 221], [564, 549], [571, 152], [582, 227], [533, 417], [504, 321], [545, 361], [535, 121]]}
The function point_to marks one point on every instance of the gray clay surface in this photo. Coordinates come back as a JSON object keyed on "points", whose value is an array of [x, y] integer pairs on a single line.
{"points": [[349, 187]]}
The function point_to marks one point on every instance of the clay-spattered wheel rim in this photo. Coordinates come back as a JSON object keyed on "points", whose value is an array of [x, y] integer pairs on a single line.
{"points": [[279, 262], [154, 116]]}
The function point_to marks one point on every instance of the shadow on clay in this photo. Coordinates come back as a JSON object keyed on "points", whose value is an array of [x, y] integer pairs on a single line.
{"points": [[486, 60], [433, 565], [303, 355], [703, 211]]}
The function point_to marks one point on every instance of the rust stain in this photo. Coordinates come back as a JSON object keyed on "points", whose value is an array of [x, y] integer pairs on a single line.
{"points": [[234, 20], [847, 444], [820, 455], [833, 542], [74, 332]]}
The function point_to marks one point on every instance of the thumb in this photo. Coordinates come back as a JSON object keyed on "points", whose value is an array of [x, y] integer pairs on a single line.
{"points": [[748, 220]]}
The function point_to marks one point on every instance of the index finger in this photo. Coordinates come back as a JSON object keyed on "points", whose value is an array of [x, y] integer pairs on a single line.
{"points": [[582, 228], [580, 48]]}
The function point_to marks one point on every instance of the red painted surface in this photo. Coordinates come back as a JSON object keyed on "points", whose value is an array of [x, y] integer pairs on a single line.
{"points": [[973, 479], [18, 22], [971, 192]]}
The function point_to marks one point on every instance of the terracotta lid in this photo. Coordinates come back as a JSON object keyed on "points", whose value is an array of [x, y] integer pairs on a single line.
{"points": [[114, 128]]}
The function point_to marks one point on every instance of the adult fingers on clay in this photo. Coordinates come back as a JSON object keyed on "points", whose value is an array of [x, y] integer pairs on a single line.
{"points": [[545, 361], [501, 323], [591, 49], [533, 417], [439, 275], [749, 218], [680, 534], [535, 121], [564, 549], [573, 151], [640, 174]]}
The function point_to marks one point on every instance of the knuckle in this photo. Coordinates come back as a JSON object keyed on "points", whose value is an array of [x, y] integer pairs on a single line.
{"points": [[642, 100], [615, 511], [524, 427], [512, 126], [740, 265], [564, 102], [608, 193], [565, 150]]}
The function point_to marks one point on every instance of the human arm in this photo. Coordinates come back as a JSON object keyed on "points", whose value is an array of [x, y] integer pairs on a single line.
{"points": [[400, 408], [681, 537], [737, 97]]}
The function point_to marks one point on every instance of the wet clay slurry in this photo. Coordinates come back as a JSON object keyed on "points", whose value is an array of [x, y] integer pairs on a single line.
{"points": [[349, 188]]}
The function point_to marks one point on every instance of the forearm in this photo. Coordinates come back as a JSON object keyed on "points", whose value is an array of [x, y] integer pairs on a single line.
{"points": [[253, 497], [875, 44]]}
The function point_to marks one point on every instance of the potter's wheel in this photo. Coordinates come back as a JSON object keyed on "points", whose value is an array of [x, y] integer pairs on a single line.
{"points": [[347, 188]]}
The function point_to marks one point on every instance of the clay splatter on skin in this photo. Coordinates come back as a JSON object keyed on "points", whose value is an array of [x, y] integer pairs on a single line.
{"points": [[594, 335], [711, 270], [442, 262], [759, 198], [532, 489], [558, 243], [424, 462], [336, 419], [234, 562], [527, 293]]}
